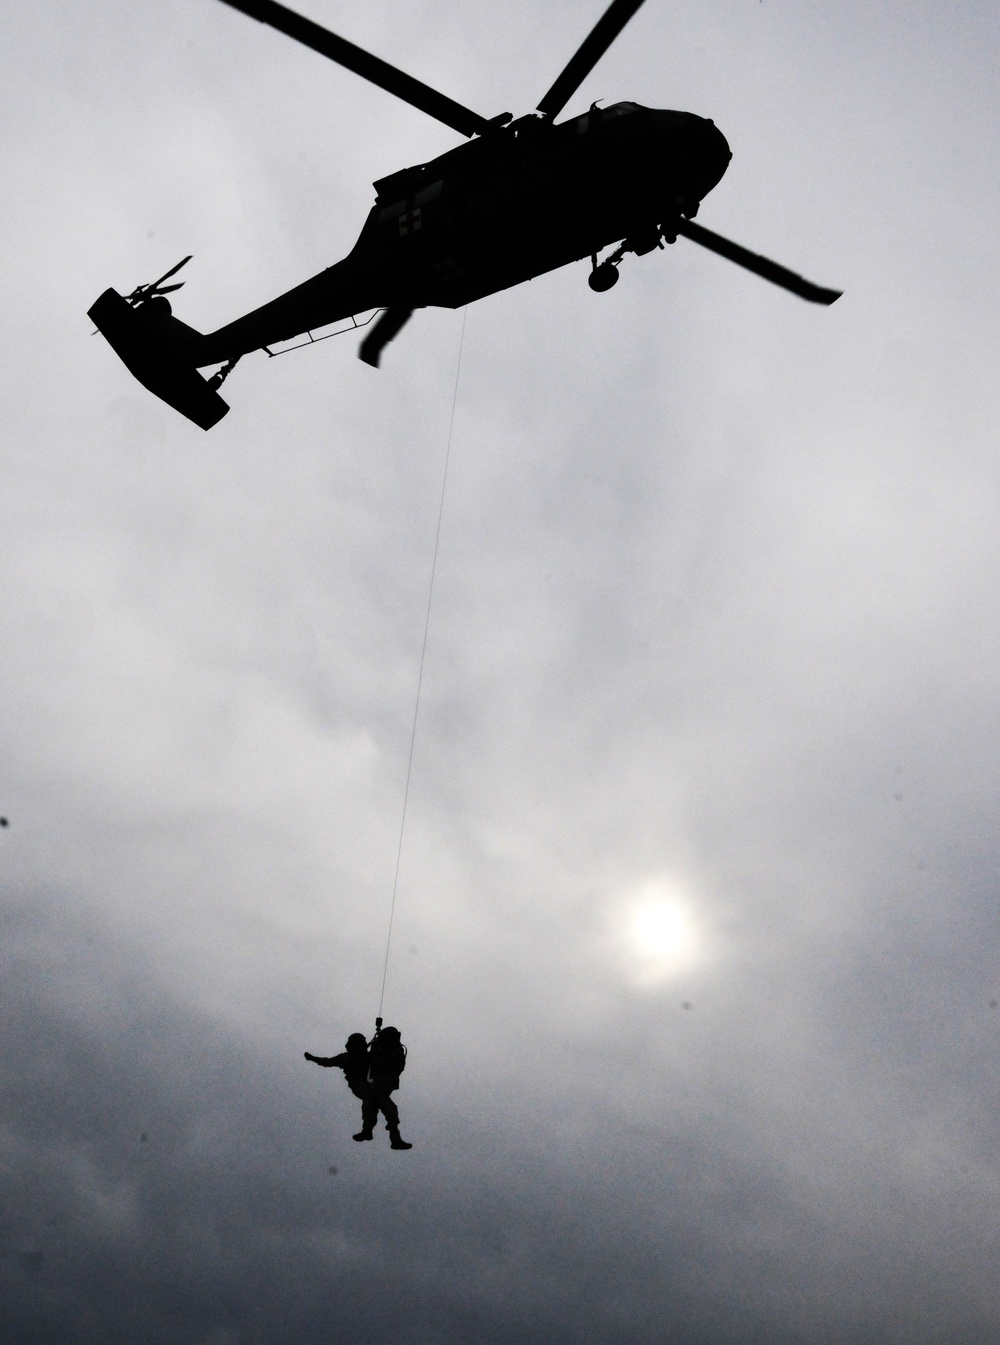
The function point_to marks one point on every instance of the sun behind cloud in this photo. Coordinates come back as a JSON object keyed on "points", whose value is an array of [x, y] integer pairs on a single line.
{"points": [[658, 933]]}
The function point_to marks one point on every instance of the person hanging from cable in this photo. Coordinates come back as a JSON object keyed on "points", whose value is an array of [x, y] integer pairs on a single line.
{"points": [[372, 1073], [386, 1062]]}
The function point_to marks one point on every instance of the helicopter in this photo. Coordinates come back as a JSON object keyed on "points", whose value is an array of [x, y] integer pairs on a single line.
{"points": [[521, 197]]}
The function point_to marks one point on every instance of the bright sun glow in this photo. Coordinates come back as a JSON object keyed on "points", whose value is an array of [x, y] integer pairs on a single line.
{"points": [[661, 938]]}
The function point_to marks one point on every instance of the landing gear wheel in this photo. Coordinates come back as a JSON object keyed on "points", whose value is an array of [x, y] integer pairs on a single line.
{"points": [[603, 278]]}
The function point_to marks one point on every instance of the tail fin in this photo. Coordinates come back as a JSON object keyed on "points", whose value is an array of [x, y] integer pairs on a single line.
{"points": [[156, 348]]}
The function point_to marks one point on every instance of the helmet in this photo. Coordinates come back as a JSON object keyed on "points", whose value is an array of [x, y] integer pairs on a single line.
{"points": [[356, 1042]]}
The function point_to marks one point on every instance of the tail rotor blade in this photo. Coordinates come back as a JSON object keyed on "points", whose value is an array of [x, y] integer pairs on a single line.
{"points": [[172, 272], [156, 287], [752, 261], [590, 52]]}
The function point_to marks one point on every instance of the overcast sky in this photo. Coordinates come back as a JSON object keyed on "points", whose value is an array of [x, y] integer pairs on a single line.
{"points": [[696, 939]]}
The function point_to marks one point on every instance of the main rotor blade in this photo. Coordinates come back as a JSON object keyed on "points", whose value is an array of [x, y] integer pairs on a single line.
{"points": [[761, 266], [369, 67], [601, 37]]}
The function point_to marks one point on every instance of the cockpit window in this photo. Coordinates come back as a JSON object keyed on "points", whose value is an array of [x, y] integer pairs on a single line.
{"points": [[596, 116]]}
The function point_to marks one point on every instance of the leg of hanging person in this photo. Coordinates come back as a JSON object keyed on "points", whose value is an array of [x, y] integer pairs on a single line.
{"points": [[390, 1111], [396, 1140], [388, 325], [369, 1117], [383, 1103]]}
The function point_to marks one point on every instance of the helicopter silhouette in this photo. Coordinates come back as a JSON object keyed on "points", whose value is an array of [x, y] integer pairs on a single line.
{"points": [[522, 197]]}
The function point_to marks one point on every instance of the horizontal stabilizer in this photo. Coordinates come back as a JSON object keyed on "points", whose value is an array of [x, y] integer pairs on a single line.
{"points": [[143, 340]]}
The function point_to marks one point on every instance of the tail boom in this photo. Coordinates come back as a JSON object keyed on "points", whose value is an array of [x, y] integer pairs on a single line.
{"points": [[334, 294]]}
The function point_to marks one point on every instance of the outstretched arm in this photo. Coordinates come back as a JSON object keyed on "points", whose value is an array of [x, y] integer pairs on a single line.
{"points": [[325, 1061]]}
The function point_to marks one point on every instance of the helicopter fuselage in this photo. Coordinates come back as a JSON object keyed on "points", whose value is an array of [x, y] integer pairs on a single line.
{"points": [[518, 202]]}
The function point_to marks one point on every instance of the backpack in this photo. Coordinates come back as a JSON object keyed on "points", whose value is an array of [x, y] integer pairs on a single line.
{"points": [[387, 1059]]}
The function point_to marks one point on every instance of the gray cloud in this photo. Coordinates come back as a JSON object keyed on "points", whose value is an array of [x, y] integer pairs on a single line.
{"points": [[714, 617], [163, 1179]]}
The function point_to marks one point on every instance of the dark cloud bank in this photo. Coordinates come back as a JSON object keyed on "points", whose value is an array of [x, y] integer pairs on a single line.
{"points": [[161, 1182]]}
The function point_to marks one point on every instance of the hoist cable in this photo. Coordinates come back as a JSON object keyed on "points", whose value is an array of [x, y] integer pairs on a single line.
{"points": [[423, 655]]}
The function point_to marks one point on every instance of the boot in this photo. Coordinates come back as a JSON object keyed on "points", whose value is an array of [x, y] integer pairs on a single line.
{"points": [[396, 1140], [363, 1135]]}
